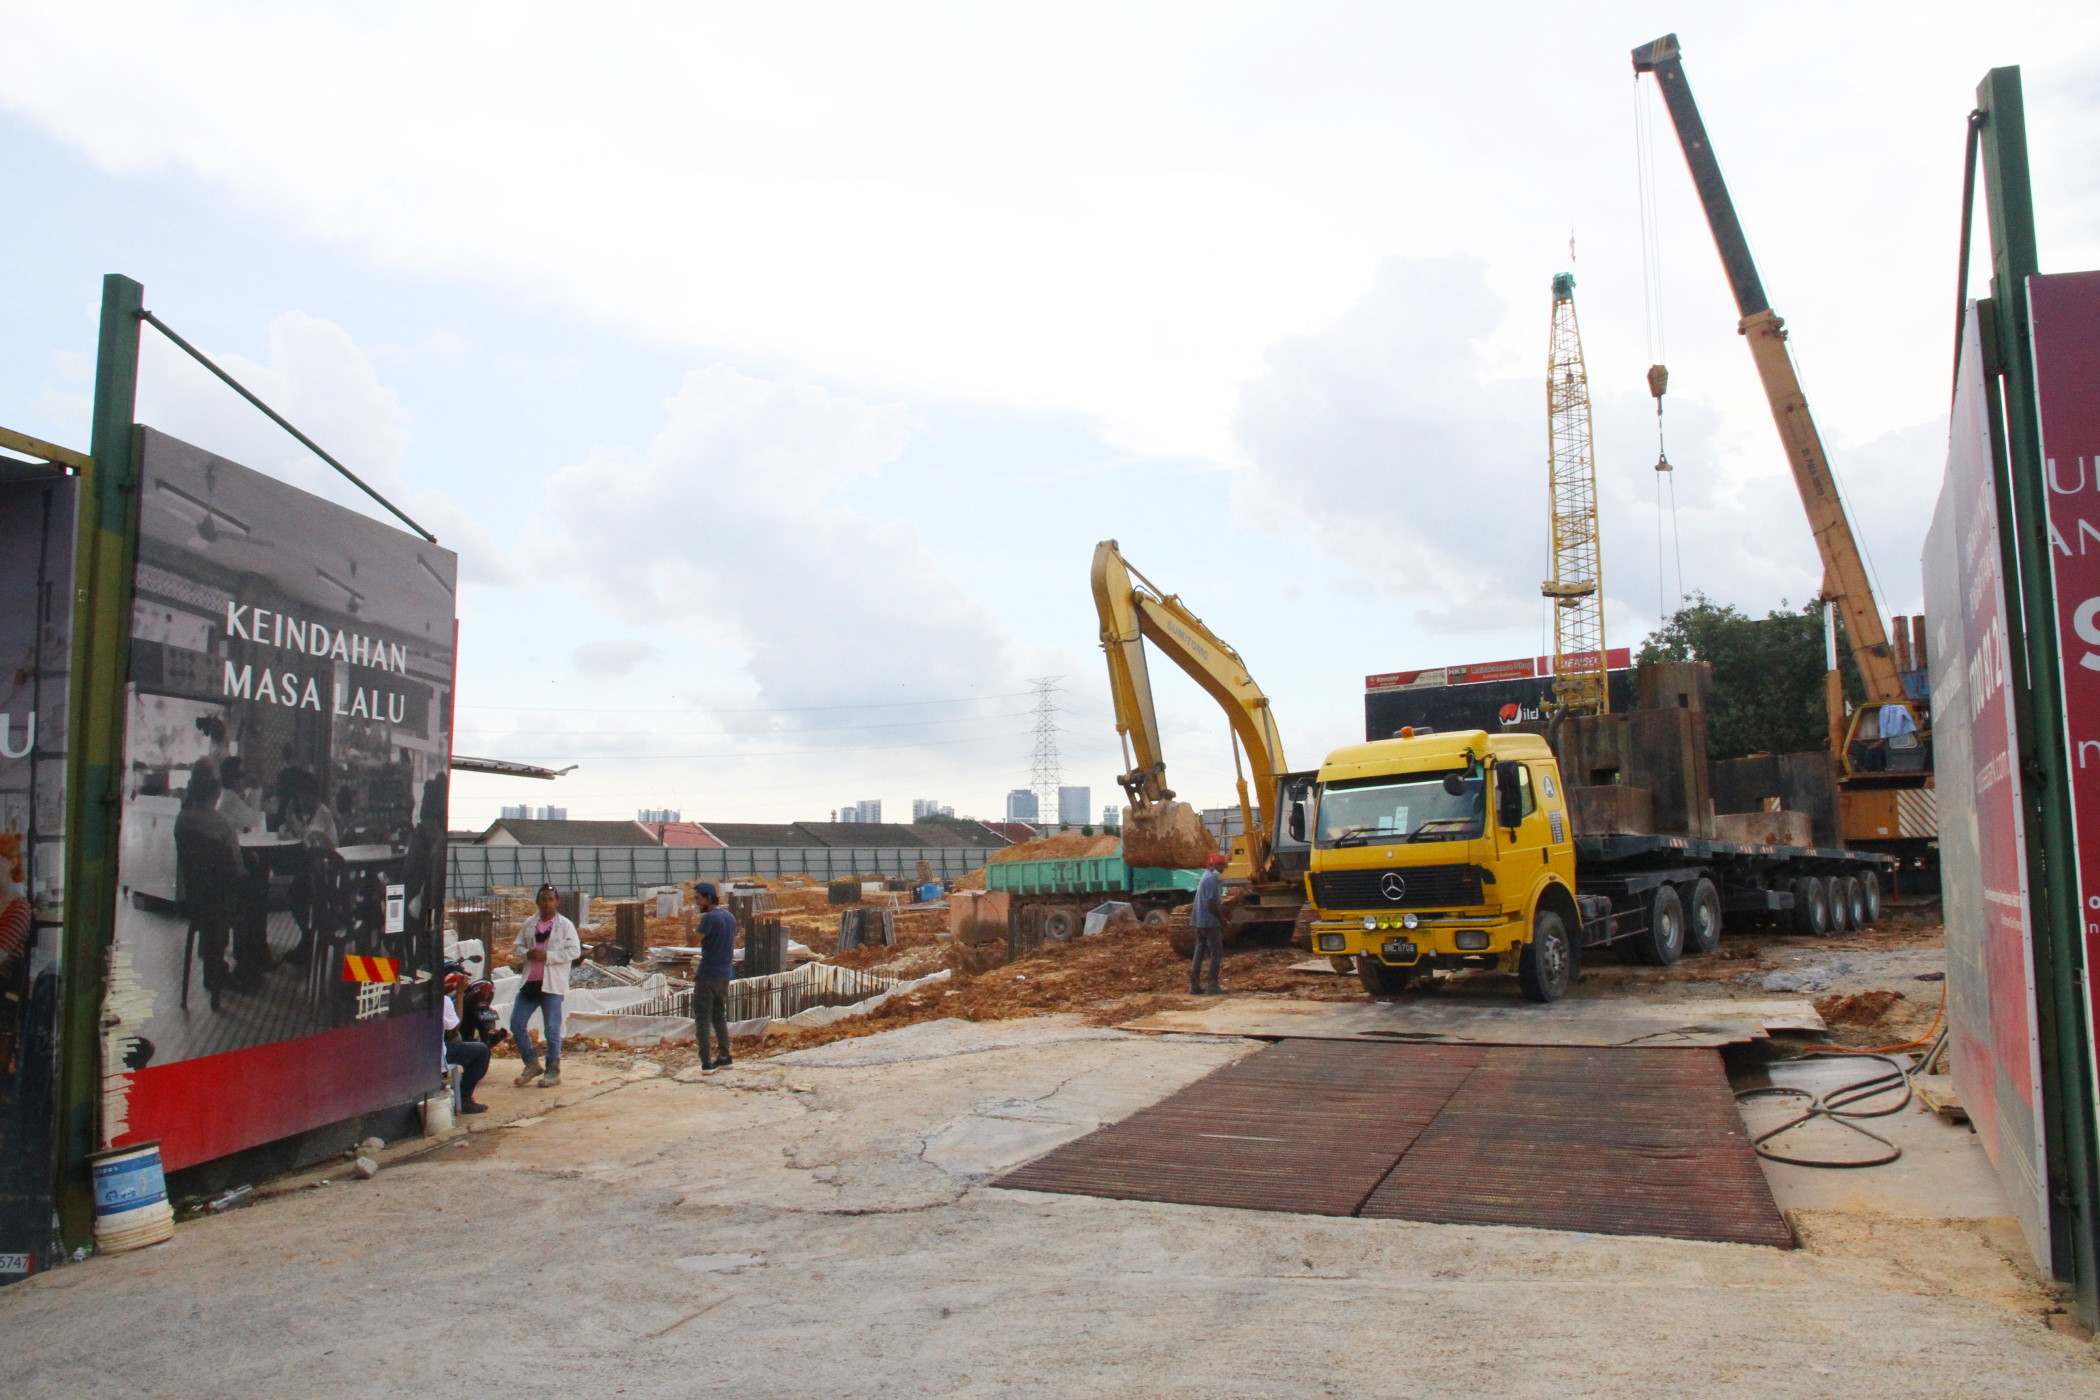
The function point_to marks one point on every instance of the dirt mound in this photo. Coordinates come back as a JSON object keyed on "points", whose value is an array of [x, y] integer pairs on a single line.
{"points": [[1170, 836], [1858, 1009], [1066, 845]]}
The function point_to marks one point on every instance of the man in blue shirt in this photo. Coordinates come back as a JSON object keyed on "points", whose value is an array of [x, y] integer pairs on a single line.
{"points": [[717, 934], [1207, 922]]}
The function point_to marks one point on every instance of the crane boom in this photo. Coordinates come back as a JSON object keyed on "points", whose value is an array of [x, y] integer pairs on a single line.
{"points": [[1843, 567]]}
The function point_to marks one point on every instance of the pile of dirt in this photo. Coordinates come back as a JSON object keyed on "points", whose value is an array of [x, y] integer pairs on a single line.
{"points": [[1109, 978], [1066, 845], [1858, 1009]]}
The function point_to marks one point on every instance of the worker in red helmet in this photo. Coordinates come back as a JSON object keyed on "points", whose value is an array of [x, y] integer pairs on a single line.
{"points": [[1207, 922]]}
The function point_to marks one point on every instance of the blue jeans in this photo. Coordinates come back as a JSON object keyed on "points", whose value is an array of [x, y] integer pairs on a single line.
{"points": [[550, 1025]]}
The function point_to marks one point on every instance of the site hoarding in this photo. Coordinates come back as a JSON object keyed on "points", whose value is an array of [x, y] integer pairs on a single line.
{"points": [[1991, 1009], [2064, 316], [287, 746], [36, 614]]}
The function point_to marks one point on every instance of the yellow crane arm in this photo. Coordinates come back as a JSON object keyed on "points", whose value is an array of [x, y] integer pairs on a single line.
{"points": [[1842, 564], [1133, 611]]}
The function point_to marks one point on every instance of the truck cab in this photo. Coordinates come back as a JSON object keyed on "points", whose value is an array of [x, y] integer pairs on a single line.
{"points": [[1451, 850]]}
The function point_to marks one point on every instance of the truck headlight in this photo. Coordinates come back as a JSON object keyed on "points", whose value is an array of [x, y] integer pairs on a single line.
{"points": [[1369, 923], [1409, 922], [1332, 943], [1473, 939]]}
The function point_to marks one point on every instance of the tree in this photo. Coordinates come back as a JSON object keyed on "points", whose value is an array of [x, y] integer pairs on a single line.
{"points": [[1768, 674]]}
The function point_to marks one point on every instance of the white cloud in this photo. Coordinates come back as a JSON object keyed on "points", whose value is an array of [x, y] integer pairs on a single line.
{"points": [[614, 658], [726, 526], [326, 385]]}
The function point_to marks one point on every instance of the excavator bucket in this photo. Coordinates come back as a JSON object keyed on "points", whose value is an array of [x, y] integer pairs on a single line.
{"points": [[1166, 836]]}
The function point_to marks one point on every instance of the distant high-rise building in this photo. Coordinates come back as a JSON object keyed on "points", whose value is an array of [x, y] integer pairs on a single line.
{"points": [[1021, 805], [1075, 806], [517, 814], [1111, 816], [658, 814], [550, 814], [868, 811], [924, 807]]}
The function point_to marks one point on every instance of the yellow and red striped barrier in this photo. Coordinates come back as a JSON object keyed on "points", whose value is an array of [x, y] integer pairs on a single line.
{"points": [[357, 969]]}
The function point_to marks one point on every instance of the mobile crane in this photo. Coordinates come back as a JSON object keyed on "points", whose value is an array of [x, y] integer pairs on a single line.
{"points": [[1265, 868], [1885, 785]]}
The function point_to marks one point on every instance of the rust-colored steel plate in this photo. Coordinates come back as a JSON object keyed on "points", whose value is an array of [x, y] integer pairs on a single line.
{"points": [[1642, 1142], [1618, 1142], [1309, 1126]]}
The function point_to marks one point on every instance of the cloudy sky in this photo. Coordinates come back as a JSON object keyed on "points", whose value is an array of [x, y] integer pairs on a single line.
{"points": [[775, 369]]}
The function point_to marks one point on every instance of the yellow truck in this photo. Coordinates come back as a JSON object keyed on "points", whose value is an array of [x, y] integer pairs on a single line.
{"points": [[1457, 850]]}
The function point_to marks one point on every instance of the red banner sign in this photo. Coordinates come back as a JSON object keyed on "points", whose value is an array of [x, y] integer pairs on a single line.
{"points": [[2065, 311]]}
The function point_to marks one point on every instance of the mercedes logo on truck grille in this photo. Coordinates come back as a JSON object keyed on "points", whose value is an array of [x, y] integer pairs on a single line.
{"points": [[1392, 886]]}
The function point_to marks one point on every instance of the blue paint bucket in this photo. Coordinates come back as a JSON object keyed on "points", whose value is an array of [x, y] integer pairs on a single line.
{"points": [[131, 1198], [929, 893]]}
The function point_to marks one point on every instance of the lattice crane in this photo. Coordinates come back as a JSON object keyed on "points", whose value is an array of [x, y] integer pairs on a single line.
{"points": [[1577, 586]]}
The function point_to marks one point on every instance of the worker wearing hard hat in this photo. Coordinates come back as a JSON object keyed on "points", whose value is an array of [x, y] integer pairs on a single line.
{"points": [[1207, 922]]}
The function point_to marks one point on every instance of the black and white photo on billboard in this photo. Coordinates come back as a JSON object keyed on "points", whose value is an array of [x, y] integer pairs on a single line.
{"points": [[284, 795]]}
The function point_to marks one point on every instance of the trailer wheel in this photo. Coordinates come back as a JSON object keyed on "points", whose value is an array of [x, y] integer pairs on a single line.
{"points": [[1702, 924], [1155, 918], [1662, 942], [1547, 963], [1811, 908], [1870, 895], [1380, 980], [1840, 904], [1059, 925], [1855, 902]]}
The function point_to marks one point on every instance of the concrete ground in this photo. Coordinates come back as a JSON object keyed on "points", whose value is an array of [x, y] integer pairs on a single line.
{"points": [[819, 1225]]}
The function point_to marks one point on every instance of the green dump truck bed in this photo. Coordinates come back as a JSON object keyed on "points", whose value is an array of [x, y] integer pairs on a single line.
{"points": [[1102, 875]]}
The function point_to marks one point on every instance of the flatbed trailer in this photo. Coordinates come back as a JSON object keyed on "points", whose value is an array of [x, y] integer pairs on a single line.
{"points": [[1768, 883]]}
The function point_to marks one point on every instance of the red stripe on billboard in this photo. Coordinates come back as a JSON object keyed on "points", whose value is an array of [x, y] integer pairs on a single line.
{"points": [[2065, 312], [217, 1104]]}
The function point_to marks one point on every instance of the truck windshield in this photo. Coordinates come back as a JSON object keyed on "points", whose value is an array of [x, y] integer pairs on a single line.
{"points": [[1417, 808]]}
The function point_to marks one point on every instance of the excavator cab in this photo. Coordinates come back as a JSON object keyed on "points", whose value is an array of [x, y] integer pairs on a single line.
{"points": [[1290, 852], [1890, 738]]}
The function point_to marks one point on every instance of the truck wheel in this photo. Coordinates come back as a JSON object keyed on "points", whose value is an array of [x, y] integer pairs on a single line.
{"points": [[1155, 918], [1870, 896], [1380, 980], [1840, 904], [1702, 923], [1811, 908], [1663, 942], [1059, 926], [1547, 962], [1855, 902]]}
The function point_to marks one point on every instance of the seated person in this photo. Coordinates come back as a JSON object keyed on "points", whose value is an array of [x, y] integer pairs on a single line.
{"points": [[471, 1055]]}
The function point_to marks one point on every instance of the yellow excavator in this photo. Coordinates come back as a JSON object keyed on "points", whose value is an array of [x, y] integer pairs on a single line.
{"points": [[1268, 856], [1884, 753]]}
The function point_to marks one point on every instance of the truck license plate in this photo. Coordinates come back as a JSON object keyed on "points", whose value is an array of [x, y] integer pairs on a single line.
{"points": [[1399, 948]]}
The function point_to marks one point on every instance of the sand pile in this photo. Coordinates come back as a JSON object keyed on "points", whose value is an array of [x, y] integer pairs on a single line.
{"points": [[1066, 845]]}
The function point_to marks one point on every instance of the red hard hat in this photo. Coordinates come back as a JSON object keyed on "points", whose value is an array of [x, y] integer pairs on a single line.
{"points": [[1216, 858]]}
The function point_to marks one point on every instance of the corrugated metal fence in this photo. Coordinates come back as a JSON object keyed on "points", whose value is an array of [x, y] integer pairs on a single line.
{"points": [[616, 872]]}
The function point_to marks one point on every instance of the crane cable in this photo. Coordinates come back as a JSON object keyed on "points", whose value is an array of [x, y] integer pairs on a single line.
{"points": [[1658, 371]]}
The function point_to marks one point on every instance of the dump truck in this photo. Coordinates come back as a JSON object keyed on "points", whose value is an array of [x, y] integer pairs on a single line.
{"points": [[1444, 851], [1048, 900]]}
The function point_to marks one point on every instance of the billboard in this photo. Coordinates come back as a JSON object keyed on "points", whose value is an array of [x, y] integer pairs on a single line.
{"points": [[36, 615], [2064, 312], [1992, 1028], [1483, 672], [287, 746], [1488, 705]]}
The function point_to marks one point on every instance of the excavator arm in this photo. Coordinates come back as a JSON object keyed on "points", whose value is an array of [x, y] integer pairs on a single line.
{"points": [[1843, 566], [1133, 611]]}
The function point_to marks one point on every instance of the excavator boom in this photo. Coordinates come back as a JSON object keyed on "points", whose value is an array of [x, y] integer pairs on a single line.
{"points": [[1134, 612], [1843, 566]]}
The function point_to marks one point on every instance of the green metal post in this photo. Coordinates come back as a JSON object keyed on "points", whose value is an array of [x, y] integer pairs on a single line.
{"points": [[108, 545], [2058, 919]]}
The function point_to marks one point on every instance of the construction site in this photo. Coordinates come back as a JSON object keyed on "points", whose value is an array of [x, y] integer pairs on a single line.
{"points": [[1702, 1013]]}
